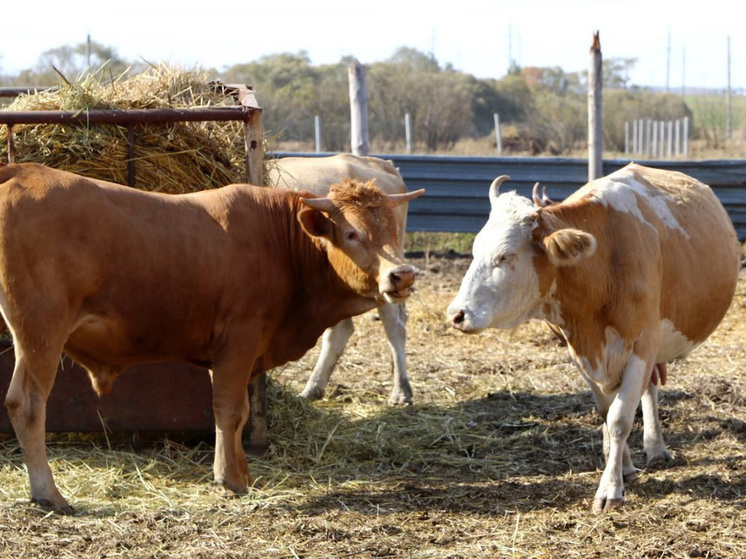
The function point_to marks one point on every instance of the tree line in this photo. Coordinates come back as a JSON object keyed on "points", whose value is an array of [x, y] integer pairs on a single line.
{"points": [[542, 110]]}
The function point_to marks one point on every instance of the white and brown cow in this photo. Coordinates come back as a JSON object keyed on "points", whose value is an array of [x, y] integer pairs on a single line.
{"points": [[316, 174], [635, 269], [239, 279]]}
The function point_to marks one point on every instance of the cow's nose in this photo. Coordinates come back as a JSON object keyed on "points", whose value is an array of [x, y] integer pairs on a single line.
{"points": [[458, 319], [402, 277]]}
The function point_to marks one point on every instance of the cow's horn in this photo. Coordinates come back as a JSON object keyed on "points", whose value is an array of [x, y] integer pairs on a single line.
{"points": [[495, 186], [397, 199], [535, 196], [321, 204]]}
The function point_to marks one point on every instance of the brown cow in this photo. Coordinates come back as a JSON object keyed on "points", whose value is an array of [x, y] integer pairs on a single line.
{"points": [[238, 279], [317, 174], [633, 270]]}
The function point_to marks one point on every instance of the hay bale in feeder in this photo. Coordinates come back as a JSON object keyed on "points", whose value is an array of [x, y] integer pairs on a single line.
{"points": [[174, 158]]}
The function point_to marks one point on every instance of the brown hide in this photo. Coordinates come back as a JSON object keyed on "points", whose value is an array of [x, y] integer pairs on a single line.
{"points": [[640, 275], [139, 277]]}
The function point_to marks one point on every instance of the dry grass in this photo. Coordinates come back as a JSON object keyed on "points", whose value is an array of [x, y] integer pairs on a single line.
{"points": [[179, 157], [499, 457]]}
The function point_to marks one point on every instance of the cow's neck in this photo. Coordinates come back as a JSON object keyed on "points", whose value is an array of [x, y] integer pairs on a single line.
{"points": [[320, 299], [581, 299]]}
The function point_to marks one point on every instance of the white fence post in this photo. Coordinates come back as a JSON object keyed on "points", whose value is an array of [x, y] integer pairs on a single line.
{"points": [[317, 132], [498, 137], [408, 131]]}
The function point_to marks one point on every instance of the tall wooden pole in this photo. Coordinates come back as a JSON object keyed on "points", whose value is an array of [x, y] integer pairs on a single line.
{"points": [[595, 112], [358, 109]]}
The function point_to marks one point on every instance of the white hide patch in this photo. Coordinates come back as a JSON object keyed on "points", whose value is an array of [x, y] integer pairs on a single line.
{"points": [[674, 344], [618, 191], [607, 372]]}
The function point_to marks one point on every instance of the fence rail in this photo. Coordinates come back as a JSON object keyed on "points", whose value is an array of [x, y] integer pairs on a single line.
{"points": [[457, 187]]}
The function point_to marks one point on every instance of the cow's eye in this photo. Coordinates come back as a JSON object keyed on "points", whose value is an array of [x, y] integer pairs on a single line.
{"points": [[352, 236], [503, 258]]}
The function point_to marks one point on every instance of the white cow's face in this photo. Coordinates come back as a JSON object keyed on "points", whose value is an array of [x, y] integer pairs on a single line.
{"points": [[501, 287]]}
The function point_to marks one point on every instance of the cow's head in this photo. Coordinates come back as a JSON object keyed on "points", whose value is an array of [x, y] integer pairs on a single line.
{"points": [[357, 225], [516, 255]]}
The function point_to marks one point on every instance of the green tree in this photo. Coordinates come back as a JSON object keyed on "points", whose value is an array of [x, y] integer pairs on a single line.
{"points": [[74, 61]]}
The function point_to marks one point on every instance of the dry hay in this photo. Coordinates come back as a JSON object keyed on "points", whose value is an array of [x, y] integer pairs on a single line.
{"points": [[175, 158], [499, 457]]}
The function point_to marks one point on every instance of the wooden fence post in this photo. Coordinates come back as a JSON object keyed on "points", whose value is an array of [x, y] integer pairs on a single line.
{"points": [[358, 109], [595, 118]]}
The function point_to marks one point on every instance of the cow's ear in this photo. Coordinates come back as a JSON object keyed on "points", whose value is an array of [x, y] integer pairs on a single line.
{"points": [[315, 223], [566, 247]]}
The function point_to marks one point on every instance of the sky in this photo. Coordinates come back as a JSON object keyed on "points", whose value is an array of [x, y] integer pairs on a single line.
{"points": [[675, 42]]}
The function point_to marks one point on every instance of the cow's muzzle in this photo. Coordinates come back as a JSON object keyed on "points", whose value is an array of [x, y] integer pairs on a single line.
{"points": [[398, 284], [460, 320]]}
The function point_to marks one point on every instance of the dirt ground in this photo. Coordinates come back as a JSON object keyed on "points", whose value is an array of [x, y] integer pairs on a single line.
{"points": [[500, 456]]}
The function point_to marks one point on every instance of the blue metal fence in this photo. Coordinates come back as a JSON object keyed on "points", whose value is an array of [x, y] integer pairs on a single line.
{"points": [[457, 187]]}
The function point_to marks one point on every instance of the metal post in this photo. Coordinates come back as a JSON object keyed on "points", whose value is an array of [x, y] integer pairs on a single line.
{"points": [[11, 145], [130, 154]]}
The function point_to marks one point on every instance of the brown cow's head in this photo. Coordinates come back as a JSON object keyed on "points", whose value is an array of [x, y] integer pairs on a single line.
{"points": [[359, 229]]}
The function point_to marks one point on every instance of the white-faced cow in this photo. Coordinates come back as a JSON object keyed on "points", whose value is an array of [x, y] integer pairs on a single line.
{"points": [[316, 174], [634, 269], [238, 279]]}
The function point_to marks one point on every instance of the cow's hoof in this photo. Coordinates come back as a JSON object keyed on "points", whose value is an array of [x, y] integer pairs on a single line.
{"points": [[59, 508], [660, 459], [312, 395], [605, 505], [400, 399], [233, 487]]}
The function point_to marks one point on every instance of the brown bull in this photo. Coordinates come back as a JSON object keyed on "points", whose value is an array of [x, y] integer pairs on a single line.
{"points": [[239, 280]]}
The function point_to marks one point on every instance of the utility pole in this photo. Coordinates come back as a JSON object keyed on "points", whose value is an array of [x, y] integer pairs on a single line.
{"points": [[668, 63], [728, 103]]}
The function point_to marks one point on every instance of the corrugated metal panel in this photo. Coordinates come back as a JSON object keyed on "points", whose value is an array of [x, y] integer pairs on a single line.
{"points": [[457, 187]]}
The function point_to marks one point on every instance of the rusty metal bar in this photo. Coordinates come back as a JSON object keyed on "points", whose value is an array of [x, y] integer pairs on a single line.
{"points": [[130, 154], [125, 116], [11, 145], [28, 90]]}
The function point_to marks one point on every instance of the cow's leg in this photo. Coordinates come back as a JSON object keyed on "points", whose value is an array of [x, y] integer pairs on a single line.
{"points": [[26, 401], [394, 319], [230, 404], [603, 403], [653, 443], [619, 420], [333, 343]]}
